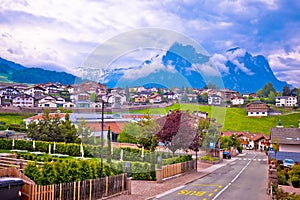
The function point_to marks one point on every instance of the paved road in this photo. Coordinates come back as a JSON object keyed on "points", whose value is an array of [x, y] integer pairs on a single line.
{"points": [[244, 177]]}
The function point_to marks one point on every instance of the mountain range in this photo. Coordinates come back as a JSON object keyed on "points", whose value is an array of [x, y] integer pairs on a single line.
{"points": [[183, 66], [13, 72], [179, 66]]}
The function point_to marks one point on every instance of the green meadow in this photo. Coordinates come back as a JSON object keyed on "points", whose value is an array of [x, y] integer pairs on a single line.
{"points": [[234, 119], [13, 118]]}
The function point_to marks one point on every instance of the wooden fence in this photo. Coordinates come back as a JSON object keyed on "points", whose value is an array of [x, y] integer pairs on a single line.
{"points": [[89, 189], [174, 169], [10, 162], [83, 190]]}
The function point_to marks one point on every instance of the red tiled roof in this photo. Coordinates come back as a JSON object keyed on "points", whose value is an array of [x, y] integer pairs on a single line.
{"points": [[251, 136], [115, 127]]}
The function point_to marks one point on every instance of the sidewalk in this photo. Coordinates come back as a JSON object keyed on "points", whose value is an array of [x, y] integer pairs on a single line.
{"points": [[142, 190]]}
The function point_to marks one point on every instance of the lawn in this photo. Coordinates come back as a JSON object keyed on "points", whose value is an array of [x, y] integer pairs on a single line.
{"points": [[14, 118], [234, 119]]}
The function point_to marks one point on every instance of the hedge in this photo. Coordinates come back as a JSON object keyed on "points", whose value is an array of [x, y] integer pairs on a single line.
{"points": [[72, 149], [64, 171]]}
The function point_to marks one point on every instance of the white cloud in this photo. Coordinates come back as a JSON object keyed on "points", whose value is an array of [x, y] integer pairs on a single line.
{"points": [[63, 33], [219, 61], [286, 65], [207, 70], [233, 57], [146, 70]]}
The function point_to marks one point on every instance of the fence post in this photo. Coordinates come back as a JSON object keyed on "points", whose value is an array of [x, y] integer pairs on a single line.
{"points": [[78, 190], [91, 185], [53, 192], [106, 186], [60, 191], [129, 185], [123, 176], [159, 176], [74, 193]]}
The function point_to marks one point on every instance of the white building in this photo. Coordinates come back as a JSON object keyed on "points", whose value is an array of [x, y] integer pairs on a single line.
{"points": [[23, 100], [69, 105], [237, 101], [116, 98], [258, 108], [214, 100], [155, 98], [51, 102], [288, 101], [35, 91]]}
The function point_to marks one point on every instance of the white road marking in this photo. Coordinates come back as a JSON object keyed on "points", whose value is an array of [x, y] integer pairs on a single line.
{"points": [[168, 192], [234, 179]]}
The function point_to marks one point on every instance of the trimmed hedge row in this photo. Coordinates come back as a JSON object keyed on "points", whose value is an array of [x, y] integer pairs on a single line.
{"points": [[72, 149], [64, 171], [182, 158]]}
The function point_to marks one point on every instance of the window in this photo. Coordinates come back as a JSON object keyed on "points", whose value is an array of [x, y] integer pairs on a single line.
{"points": [[257, 113]]}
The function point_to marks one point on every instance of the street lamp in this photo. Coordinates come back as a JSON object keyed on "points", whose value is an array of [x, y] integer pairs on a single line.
{"points": [[104, 100], [102, 142]]}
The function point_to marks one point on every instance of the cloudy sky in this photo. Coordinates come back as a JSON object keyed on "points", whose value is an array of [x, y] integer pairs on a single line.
{"points": [[61, 34]]}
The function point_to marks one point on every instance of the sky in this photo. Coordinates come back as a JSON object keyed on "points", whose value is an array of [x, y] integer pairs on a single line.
{"points": [[60, 35]]}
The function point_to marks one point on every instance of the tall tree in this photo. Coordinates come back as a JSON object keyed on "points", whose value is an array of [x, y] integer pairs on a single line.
{"points": [[178, 130], [68, 130], [267, 89], [148, 138], [286, 91], [212, 135], [271, 97], [130, 133]]}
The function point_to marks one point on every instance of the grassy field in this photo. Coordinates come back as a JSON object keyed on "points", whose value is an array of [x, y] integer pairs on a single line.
{"points": [[235, 119], [13, 118]]}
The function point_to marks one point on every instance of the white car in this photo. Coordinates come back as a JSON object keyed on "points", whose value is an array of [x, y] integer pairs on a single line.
{"points": [[288, 163]]}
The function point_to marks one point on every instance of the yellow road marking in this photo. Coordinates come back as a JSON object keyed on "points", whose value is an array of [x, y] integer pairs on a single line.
{"points": [[210, 194], [216, 190], [191, 193]]}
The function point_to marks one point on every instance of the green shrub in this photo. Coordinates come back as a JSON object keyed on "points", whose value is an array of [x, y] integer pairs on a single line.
{"points": [[141, 171], [208, 158], [64, 171], [240, 149], [282, 178]]}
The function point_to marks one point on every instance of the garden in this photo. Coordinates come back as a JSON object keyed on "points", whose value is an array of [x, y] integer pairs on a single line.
{"points": [[69, 162]]}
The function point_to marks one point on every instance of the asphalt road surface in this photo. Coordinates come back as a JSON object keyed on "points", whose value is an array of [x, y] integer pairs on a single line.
{"points": [[244, 177]]}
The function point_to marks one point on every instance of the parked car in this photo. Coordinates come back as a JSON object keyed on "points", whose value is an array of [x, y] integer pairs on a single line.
{"points": [[249, 147], [288, 163], [226, 155]]}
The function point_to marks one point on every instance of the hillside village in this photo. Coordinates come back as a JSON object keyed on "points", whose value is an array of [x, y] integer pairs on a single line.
{"points": [[91, 95]]}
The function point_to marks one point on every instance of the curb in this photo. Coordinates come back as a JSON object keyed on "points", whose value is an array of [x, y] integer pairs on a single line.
{"points": [[201, 176]]}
